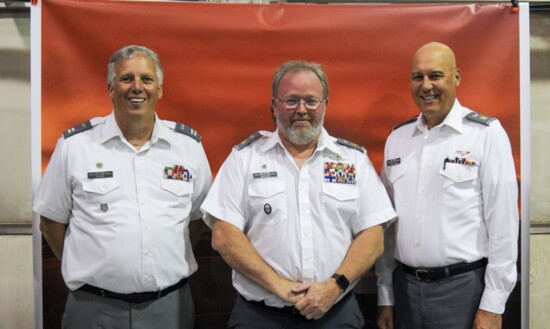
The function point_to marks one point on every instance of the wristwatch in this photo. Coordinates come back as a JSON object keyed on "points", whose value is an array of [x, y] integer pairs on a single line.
{"points": [[341, 281]]}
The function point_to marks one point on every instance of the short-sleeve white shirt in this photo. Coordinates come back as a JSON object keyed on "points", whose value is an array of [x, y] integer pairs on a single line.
{"points": [[455, 193], [300, 220], [127, 210]]}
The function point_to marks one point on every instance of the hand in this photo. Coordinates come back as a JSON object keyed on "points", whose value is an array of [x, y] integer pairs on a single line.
{"points": [[286, 292], [487, 320], [385, 317], [319, 298]]}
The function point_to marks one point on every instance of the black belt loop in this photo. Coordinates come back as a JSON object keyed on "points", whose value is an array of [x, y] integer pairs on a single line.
{"points": [[444, 272], [137, 297]]}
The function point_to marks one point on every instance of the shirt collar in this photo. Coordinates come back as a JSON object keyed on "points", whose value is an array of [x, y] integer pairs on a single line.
{"points": [[453, 120], [112, 130], [324, 141]]}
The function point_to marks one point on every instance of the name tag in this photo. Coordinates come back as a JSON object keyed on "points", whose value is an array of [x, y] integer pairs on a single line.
{"points": [[100, 174], [393, 162], [258, 175]]}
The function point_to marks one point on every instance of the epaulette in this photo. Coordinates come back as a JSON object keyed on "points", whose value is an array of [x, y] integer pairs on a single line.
{"points": [[249, 140], [82, 127], [350, 144], [411, 120], [186, 130], [480, 118]]}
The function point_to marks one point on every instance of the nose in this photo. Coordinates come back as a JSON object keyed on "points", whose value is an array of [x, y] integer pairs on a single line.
{"points": [[301, 106], [137, 85], [426, 84]]}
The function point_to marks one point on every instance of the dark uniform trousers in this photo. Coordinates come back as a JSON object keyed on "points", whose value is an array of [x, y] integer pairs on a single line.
{"points": [[449, 303], [252, 315]]}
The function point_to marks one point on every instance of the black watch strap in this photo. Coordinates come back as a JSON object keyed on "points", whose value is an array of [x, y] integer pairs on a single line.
{"points": [[341, 280]]}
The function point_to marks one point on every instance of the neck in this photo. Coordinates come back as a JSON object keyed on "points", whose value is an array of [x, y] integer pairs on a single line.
{"points": [[136, 132], [300, 153]]}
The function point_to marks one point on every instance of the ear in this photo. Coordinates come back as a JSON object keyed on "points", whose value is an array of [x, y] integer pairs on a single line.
{"points": [[160, 92], [272, 109], [110, 90], [457, 77]]}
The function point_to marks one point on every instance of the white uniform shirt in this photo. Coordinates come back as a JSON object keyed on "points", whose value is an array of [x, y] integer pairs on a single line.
{"points": [[455, 192], [300, 223], [127, 218]]}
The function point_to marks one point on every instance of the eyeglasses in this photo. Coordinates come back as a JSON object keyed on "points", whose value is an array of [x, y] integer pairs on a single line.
{"points": [[292, 103]]}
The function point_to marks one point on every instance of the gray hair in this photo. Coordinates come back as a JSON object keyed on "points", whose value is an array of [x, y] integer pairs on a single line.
{"points": [[129, 52], [295, 66]]}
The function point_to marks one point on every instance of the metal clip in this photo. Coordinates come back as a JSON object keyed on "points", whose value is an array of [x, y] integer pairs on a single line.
{"points": [[417, 271]]}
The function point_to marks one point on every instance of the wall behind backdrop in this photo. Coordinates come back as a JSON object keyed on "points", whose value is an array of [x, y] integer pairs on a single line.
{"points": [[219, 60]]}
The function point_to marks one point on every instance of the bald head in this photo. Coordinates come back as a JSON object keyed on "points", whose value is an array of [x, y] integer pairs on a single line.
{"points": [[434, 78], [437, 50]]}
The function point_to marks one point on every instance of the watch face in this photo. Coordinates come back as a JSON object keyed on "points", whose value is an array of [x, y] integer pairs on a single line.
{"points": [[341, 280]]}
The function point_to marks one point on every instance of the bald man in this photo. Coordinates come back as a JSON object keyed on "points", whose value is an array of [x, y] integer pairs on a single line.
{"points": [[450, 258]]}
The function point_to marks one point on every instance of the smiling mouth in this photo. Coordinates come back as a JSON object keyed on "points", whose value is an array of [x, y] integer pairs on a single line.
{"points": [[429, 97], [136, 100]]}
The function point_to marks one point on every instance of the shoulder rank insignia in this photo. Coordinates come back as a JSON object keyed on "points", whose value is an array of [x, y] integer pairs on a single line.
{"points": [[350, 144], [77, 129], [411, 120], [186, 130], [480, 118], [249, 140]]}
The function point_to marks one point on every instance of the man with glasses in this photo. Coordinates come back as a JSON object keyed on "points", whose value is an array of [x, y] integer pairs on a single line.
{"points": [[297, 213]]}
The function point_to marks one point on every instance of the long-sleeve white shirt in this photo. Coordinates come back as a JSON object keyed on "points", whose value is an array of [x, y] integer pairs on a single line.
{"points": [[455, 192]]}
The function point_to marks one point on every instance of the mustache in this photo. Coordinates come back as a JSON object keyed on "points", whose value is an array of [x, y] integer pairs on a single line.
{"points": [[304, 117]]}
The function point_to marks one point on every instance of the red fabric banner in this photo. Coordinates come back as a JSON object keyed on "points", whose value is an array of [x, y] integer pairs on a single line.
{"points": [[219, 59]]}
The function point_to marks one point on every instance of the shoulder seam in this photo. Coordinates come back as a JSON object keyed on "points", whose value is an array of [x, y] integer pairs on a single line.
{"points": [[352, 145], [480, 118], [411, 120], [188, 131], [249, 140], [87, 125]]}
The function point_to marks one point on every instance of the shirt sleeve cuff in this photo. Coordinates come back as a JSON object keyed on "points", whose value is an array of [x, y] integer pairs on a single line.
{"points": [[493, 301], [385, 295], [210, 210]]}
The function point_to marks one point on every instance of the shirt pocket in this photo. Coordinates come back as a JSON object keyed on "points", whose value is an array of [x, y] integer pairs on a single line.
{"points": [[175, 197], [100, 186], [177, 187], [102, 193], [267, 202], [459, 184], [340, 202]]}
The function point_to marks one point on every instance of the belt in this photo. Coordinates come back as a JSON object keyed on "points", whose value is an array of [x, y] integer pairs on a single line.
{"points": [[435, 273], [291, 310], [136, 297]]}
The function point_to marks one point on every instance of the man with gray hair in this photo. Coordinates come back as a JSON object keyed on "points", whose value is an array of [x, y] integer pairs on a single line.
{"points": [[297, 214], [119, 205]]}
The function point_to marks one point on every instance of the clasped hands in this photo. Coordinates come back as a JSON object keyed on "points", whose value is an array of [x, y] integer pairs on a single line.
{"points": [[312, 299]]}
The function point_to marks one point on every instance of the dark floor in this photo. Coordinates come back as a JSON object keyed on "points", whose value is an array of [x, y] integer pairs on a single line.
{"points": [[213, 294]]}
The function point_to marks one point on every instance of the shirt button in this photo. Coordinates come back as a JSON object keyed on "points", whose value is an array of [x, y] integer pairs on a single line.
{"points": [[418, 244]]}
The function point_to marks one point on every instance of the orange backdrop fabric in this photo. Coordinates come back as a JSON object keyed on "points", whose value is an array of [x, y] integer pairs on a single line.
{"points": [[219, 59]]}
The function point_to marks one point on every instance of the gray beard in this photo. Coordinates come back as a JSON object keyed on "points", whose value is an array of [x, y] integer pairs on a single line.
{"points": [[301, 136]]}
